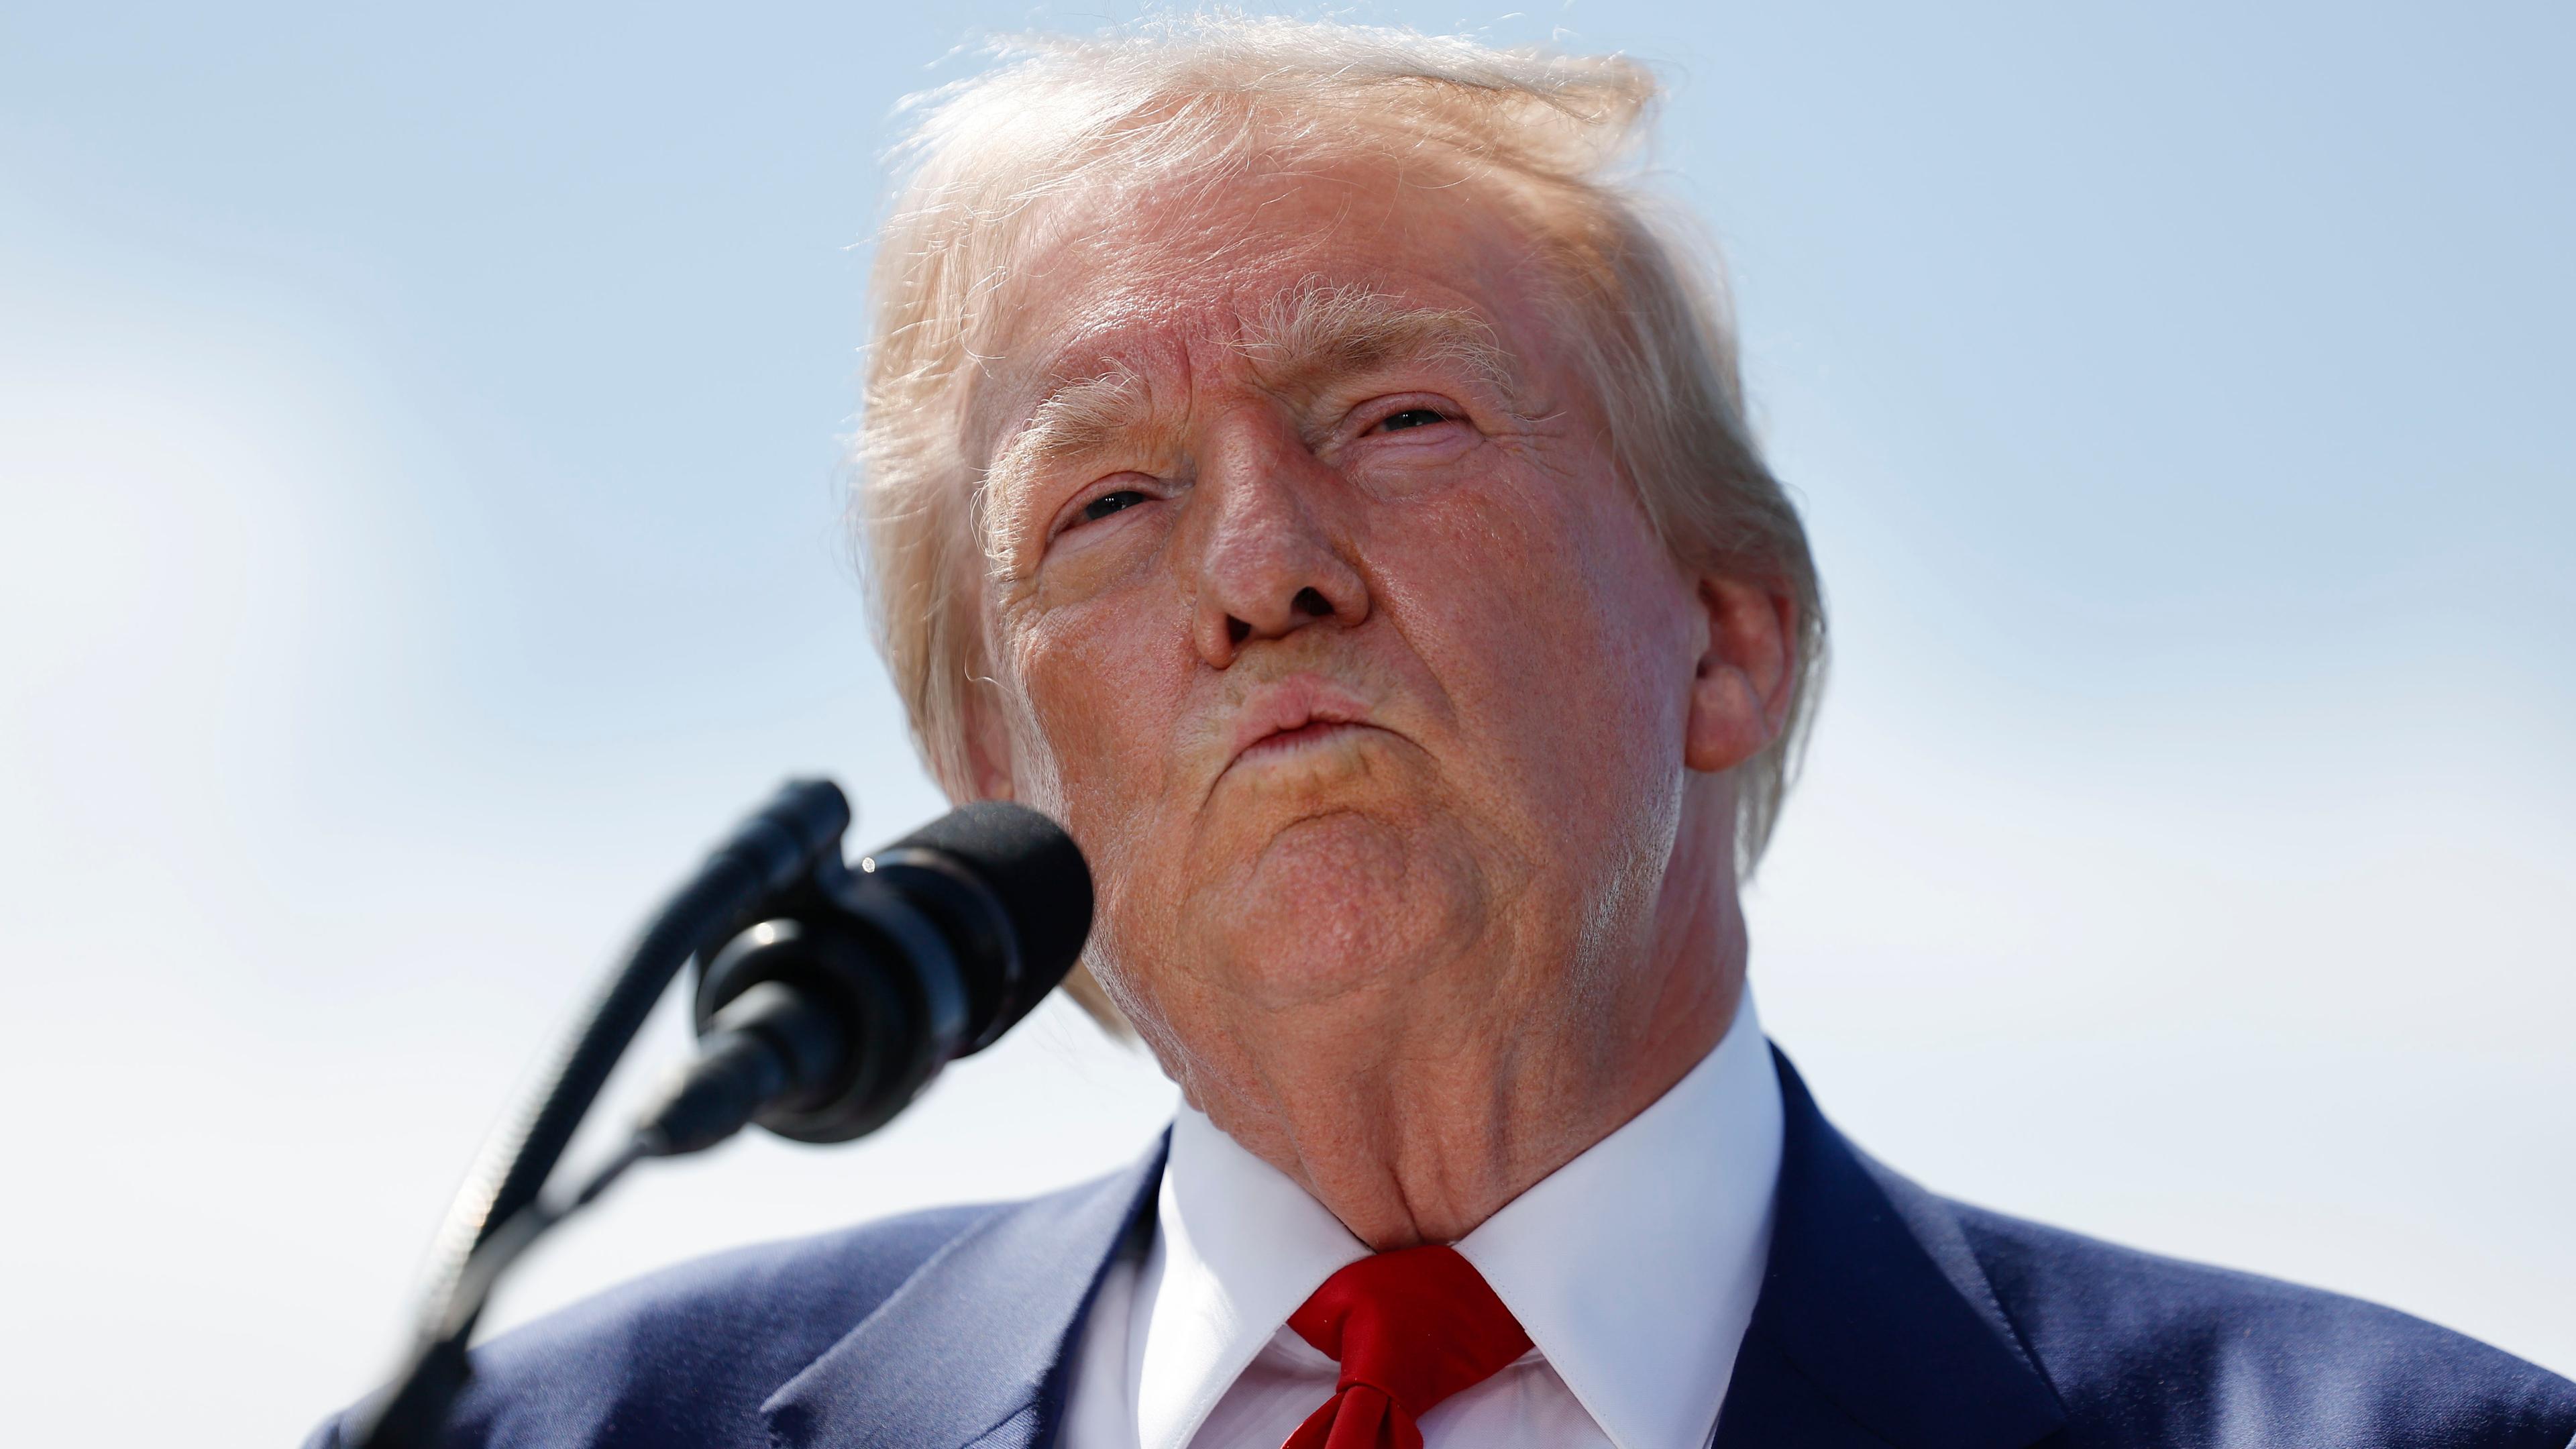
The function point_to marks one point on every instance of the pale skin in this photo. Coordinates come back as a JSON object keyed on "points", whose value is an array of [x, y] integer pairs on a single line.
{"points": [[1399, 744]]}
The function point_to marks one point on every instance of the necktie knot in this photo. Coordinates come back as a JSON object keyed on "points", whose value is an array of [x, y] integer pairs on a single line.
{"points": [[1409, 1328]]}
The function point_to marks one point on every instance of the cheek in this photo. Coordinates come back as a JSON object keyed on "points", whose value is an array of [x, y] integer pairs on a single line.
{"points": [[1101, 682], [1558, 626]]}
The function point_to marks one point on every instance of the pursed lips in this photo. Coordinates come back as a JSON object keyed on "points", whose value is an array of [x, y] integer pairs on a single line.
{"points": [[1280, 716]]}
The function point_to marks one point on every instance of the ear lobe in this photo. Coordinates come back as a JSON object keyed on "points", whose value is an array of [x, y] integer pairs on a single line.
{"points": [[1739, 701]]}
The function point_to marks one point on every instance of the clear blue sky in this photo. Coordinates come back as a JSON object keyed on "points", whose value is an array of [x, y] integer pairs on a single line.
{"points": [[418, 533]]}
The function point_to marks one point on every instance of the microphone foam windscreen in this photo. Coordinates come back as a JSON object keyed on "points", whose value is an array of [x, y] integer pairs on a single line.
{"points": [[1033, 867]]}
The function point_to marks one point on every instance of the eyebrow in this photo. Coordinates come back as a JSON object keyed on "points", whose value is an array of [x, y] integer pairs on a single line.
{"points": [[1316, 334], [1077, 418], [1299, 345]]}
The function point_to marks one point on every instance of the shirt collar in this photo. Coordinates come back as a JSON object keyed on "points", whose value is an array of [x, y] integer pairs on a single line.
{"points": [[1633, 1268], [1238, 1245]]}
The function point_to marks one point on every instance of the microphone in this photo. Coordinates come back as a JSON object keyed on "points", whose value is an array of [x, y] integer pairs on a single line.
{"points": [[824, 1020], [834, 998]]}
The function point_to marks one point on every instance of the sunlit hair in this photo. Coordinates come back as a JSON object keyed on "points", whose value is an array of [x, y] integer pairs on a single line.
{"points": [[1548, 136]]}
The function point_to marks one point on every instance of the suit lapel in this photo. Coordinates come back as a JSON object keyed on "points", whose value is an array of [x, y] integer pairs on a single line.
{"points": [[1875, 1324], [971, 1349]]}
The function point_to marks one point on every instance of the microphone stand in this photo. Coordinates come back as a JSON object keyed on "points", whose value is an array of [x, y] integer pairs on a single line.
{"points": [[498, 1213]]}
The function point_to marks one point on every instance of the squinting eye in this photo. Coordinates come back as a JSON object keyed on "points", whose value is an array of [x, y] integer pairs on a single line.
{"points": [[1411, 418], [1109, 503]]}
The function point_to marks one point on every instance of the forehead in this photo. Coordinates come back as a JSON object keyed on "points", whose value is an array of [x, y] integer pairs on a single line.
{"points": [[1155, 278]]}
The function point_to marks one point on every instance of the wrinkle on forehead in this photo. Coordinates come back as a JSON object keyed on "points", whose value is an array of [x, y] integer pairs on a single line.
{"points": [[1097, 266]]}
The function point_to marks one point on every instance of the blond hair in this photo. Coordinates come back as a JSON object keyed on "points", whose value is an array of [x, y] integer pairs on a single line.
{"points": [[1210, 94]]}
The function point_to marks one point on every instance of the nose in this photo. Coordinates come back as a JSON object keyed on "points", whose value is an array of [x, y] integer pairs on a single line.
{"points": [[1266, 561]]}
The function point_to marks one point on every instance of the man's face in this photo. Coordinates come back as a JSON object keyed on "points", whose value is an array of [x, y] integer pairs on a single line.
{"points": [[1324, 620]]}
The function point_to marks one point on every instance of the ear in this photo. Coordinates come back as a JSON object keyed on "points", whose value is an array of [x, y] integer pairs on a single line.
{"points": [[1739, 701]]}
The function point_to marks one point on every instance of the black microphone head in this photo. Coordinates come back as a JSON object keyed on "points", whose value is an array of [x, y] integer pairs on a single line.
{"points": [[929, 951], [1033, 877]]}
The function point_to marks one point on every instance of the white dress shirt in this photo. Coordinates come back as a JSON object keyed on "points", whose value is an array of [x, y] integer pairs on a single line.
{"points": [[1632, 1268]]}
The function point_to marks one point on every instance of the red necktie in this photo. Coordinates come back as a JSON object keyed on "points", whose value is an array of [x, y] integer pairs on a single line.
{"points": [[1409, 1329]]}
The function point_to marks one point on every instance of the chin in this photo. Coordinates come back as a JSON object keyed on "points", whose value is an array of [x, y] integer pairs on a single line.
{"points": [[1336, 904]]}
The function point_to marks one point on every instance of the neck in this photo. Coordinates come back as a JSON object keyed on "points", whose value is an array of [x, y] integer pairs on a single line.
{"points": [[1416, 1115]]}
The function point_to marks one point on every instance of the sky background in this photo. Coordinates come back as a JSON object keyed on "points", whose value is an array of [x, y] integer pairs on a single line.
{"points": [[419, 536]]}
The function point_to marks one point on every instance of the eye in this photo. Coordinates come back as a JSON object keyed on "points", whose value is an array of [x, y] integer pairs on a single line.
{"points": [[1411, 418], [1109, 503]]}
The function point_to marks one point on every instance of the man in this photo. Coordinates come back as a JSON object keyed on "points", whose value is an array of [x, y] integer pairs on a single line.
{"points": [[1293, 464]]}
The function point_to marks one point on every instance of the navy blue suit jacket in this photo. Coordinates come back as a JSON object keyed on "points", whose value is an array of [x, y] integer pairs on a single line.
{"points": [[1890, 1317]]}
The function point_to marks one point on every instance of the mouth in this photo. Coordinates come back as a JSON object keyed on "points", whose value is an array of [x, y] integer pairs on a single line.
{"points": [[1291, 741], [1295, 716]]}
